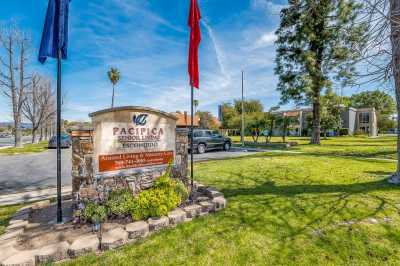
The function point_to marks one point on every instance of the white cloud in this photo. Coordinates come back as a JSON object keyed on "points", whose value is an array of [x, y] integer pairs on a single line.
{"points": [[265, 39], [269, 6], [218, 52]]}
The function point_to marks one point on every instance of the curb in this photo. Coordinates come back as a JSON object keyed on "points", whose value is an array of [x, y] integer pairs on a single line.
{"points": [[32, 196]]}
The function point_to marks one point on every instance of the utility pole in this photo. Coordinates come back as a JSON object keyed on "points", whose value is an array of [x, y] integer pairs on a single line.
{"points": [[242, 131]]}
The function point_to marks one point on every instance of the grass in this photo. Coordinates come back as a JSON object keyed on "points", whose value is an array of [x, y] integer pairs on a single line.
{"points": [[362, 146], [6, 214], [27, 148], [313, 208]]}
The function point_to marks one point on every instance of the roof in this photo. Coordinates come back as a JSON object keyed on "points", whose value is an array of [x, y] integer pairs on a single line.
{"points": [[184, 120]]}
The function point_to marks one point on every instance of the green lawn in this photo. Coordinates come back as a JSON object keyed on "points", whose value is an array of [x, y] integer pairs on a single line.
{"points": [[28, 148], [362, 146], [314, 208]]}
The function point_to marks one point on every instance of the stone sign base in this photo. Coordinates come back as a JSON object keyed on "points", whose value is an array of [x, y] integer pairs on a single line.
{"points": [[32, 238], [86, 186]]}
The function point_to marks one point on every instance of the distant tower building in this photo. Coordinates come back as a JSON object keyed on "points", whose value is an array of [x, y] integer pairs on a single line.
{"points": [[220, 114]]}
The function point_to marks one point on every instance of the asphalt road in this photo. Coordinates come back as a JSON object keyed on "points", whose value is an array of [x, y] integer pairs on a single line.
{"points": [[4, 142], [19, 173]]}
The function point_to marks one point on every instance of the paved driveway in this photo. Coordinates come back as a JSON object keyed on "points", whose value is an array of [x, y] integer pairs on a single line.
{"points": [[38, 170]]}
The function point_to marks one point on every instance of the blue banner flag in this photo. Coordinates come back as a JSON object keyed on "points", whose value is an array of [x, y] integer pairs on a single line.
{"points": [[55, 32]]}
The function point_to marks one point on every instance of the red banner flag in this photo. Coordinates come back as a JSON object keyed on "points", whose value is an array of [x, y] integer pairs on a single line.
{"points": [[195, 38]]}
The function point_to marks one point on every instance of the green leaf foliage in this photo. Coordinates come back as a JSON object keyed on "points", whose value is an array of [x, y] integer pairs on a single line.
{"points": [[157, 201], [94, 212], [318, 45], [119, 202]]}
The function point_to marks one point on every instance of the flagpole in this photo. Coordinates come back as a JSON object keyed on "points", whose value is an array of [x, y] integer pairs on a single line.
{"points": [[59, 207], [242, 129], [191, 138]]}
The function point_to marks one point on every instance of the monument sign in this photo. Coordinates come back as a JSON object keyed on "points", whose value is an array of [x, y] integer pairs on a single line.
{"points": [[129, 139]]}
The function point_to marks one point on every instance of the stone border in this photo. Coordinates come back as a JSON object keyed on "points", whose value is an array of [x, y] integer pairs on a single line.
{"points": [[208, 200]]}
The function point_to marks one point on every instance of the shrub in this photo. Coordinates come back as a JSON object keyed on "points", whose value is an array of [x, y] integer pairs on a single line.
{"points": [[344, 132], [166, 195], [359, 133], [94, 212], [119, 202]]}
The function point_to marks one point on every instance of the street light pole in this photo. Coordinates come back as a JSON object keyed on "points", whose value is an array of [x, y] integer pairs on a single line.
{"points": [[242, 131]]}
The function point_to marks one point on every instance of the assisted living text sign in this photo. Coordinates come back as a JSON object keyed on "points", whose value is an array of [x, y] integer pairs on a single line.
{"points": [[130, 139]]}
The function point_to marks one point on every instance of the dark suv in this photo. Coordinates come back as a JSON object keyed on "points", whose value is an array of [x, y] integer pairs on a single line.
{"points": [[204, 140]]}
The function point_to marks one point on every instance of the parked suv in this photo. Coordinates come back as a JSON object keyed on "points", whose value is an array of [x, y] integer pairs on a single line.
{"points": [[204, 140], [65, 141]]}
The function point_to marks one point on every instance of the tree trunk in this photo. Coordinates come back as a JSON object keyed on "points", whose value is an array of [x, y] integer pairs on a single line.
{"points": [[316, 123], [41, 134], [18, 133], [33, 135], [112, 101], [395, 40], [46, 132]]}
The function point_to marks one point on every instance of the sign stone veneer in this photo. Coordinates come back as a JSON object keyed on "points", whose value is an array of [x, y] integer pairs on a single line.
{"points": [[87, 185]]}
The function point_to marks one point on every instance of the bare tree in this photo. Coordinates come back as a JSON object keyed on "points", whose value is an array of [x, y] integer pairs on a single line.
{"points": [[382, 55], [38, 107], [13, 79]]}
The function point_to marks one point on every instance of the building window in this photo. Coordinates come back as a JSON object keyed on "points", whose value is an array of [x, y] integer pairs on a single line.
{"points": [[364, 118]]}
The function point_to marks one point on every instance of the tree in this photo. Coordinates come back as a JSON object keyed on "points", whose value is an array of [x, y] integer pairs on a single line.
{"points": [[207, 120], [196, 104], [13, 78], [316, 46], [271, 118], [39, 106], [285, 123], [250, 106], [383, 103], [382, 54], [256, 123], [114, 76], [330, 112]]}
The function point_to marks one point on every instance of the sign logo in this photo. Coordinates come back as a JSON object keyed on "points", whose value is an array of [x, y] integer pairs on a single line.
{"points": [[140, 120]]}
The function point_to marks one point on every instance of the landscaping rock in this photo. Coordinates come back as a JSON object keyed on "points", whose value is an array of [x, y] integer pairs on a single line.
{"points": [[17, 225], [137, 230], [200, 199], [213, 193], [176, 216], [110, 226], [12, 234], [200, 187], [7, 252], [219, 203], [15, 221], [41, 204], [8, 243], [52, 253], [207, 206], [156, 224], [192, 210], [25, 258], [84, 244], [114, 238]]}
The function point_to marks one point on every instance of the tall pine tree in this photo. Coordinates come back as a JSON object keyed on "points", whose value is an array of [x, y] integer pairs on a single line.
{"points": [[317, 46]]}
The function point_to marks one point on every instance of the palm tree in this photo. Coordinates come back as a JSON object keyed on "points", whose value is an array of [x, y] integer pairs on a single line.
{"points": [[114, 76], [196, 104]]}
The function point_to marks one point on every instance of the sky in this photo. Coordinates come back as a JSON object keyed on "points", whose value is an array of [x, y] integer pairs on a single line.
{"points": [[147, 40]]}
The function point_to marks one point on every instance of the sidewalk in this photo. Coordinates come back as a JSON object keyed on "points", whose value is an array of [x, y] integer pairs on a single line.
{"points": [[35, 195]]}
